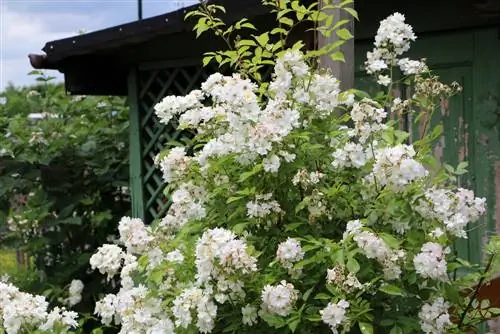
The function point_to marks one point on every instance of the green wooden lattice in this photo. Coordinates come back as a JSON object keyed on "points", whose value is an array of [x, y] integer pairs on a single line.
{"points": [[152, 86], [149, 136]]}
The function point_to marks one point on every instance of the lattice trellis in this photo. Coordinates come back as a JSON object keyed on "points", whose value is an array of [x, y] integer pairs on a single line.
{"points": [[152, 86]]}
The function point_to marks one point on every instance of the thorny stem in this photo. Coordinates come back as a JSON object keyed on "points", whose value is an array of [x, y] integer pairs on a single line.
{"points": [[476, 291], [373, 154], [389, 90], [427, 121]]}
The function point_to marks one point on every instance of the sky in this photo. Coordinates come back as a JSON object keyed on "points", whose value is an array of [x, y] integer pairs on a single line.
{"points": [[26, 25]]}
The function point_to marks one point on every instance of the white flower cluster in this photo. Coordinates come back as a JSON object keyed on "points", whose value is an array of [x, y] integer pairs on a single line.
{"points": [[187, 205], [249, 315], [334, 314], [175, 165], [171, 106], [263, 206], [368, 119], [306, 179], [337, 276], [351, 155], [409, 66], [219, 253], [134, 235], [434, 318], [392, 40], [453, 209], [199, 300], [323, 95], [60, 317], [23, 311], [175, 256], [241, 126], [431, 262], [279, 299], [289, 252], [395, 167], [245, 128], [135, 311], [75, 292], [129, 265], [375, 248], [271, 164], [107, 259], [289, 66]]}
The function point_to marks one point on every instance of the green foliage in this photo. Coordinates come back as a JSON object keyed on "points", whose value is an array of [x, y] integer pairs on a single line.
{"points": [[64, 177], [249, 52]]}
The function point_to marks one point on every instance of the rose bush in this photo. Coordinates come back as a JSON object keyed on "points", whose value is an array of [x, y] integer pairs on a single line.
{"points": [[299, 207]]}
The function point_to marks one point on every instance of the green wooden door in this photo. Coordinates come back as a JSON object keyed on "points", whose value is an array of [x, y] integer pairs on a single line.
{"points": [[468, 58]]}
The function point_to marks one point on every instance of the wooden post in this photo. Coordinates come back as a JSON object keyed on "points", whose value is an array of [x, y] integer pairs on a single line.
{"points": [[344, 71], [136, 186]]}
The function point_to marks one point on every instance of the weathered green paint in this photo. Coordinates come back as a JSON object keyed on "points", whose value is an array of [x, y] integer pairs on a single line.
{"points": [[471, 119], [486, 101], [135, 147], [471, 58], [460, 57]]}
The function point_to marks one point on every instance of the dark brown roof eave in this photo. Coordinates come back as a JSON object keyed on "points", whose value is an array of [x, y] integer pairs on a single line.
{"points": [[139, 31], [40, 62]]}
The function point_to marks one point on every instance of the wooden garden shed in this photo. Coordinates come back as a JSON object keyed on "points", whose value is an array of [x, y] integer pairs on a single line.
{"points": [[148, 59]]}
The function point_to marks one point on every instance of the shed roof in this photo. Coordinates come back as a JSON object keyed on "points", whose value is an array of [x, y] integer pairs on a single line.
{"points": [[98, 63]]}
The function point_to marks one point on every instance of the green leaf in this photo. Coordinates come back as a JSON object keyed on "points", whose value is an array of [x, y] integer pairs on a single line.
{"points": [[365, 328], [274, 320], [386, 322], [239, 228], [352, 11], [247, 42], [322, 296], [263, 39], [396, 330], [157, 275], [234, 199], [248, 25], [352, 265], [437, 131], [256, 169], [293, 324], [286, 21], [344, 33], [306, 294], [276, 31], [71, 221], [337, 56], [463, 165], [337, 256], [392, 290], [390, 240], [207, 60], [293, 226]]}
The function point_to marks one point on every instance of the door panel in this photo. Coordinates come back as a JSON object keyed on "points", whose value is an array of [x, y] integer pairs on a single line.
{"points": [[450, 57]]}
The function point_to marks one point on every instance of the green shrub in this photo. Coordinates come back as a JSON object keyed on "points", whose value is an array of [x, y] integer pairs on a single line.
{"points": [[64, 176]]}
